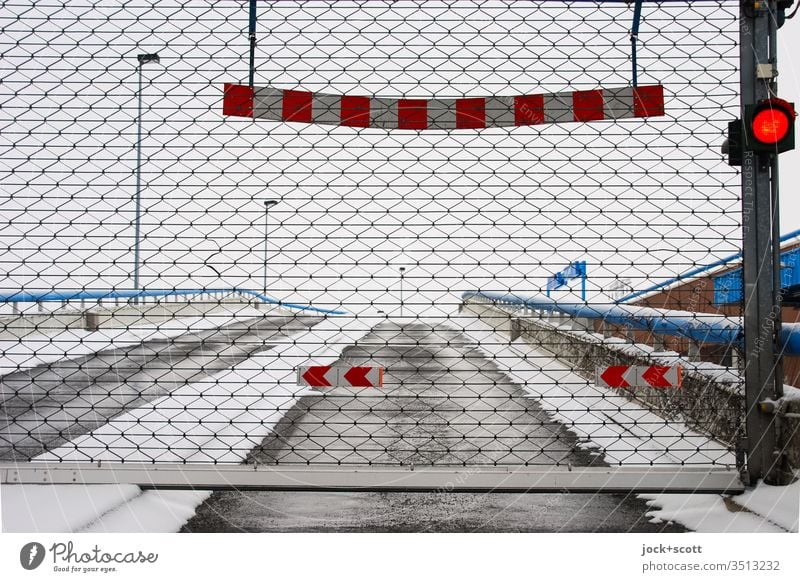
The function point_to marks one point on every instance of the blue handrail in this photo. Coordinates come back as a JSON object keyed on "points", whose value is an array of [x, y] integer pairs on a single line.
{"points": [[76, 294], [702, 327]]}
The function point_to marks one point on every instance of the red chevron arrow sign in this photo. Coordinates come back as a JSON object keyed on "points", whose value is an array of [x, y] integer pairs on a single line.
{"points": [[354, 376], [639, 377]]}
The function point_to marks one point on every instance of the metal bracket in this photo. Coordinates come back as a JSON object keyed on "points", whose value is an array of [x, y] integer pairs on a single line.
{"points": [[777, 407], [766, 71]]}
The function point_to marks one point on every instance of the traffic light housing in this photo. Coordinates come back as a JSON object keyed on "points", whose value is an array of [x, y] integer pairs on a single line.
{"points": [[732, 146], [769, 126]]}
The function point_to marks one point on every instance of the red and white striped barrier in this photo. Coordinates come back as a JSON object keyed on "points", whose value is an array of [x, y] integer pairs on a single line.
{"points": [[639, 377], [418, 114], [352, 376]]}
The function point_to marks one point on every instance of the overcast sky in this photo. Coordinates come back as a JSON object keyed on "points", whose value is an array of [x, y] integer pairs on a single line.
{"points": [[497, 209]]}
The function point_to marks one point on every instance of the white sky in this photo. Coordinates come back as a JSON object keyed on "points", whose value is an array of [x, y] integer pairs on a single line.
{"points": [[498, 209]]}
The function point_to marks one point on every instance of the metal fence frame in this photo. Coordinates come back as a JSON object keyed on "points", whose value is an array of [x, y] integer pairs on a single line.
{"points": [[763, 373]]}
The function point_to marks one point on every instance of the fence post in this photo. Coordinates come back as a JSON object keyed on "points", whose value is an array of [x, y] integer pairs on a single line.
{"points": [[763, 380]]}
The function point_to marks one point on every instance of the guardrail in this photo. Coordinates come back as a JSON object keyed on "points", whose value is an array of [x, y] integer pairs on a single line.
{"points": [[702, 327], [106, 294]]}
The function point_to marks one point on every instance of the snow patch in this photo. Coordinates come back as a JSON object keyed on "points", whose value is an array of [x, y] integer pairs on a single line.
{"points": [[59, 508], [580, 406], [265, 382], [626, 432]]}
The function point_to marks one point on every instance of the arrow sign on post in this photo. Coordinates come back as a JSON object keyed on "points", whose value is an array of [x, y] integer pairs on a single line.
{"points": [[317, 376], [350, 376], [614, 376], [362, 377], [639, 377]]}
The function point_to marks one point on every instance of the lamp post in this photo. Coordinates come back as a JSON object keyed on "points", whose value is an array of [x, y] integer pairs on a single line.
{"points": [[267, 205], [402, 273], [143, 60]]}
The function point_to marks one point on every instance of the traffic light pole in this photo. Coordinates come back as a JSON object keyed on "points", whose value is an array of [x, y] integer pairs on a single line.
{"points": [[762, 313]]}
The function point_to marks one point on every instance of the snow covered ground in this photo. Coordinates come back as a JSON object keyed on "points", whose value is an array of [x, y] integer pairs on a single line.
{"points": [[265, 384], [762, 509]]}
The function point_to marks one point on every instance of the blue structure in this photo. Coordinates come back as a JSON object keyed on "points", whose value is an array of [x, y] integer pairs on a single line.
{"points": [[79, 294], [573, 271], [728, 287], [698, 271]]}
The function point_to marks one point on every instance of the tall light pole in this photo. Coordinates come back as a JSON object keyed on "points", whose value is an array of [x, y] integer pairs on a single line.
{"points": [[267, 205], [402, 274], [143, 60]]}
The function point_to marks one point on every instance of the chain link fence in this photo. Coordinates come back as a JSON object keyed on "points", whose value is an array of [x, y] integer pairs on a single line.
{"points": [[157, 308]]}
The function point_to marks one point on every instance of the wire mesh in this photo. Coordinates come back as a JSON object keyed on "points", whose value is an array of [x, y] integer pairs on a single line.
{"points": [[265, 245]]}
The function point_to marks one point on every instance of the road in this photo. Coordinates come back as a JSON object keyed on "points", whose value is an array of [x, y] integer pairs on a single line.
{"points": [[44, 407], [443, 403]]}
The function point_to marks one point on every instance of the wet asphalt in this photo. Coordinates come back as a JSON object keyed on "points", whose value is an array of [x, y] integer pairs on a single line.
{"points": [[46, 406], [442, 404]]}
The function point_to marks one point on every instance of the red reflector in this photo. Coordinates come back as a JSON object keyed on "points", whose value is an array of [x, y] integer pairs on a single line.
{"points": [[528, 109], [296, 106], [412, 114], [770, 125], [471, 113], [648, 101], [587, 105], [237, 100], [355, 111]]}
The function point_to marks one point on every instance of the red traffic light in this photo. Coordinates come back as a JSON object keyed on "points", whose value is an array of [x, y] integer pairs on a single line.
{"points": [[771, 124]]}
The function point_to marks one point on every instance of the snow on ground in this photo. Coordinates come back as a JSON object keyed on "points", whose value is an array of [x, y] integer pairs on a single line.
{"points": [[627, 433], [761, 509], [50, 346], [265, 383], [221, 418], [149, 512], [778, 504], [58, 508]]}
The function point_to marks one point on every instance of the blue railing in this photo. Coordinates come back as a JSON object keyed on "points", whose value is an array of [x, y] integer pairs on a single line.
{"points": [[86, 294], [702, 327]]}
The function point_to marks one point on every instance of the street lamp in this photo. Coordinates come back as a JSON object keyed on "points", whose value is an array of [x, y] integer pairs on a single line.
{"points": [[402, 273], [267, 205], [143, 60]]}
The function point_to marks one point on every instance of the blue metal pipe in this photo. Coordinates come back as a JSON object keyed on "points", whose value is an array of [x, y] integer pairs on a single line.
{"points": [[701, 327], [76, 294]]}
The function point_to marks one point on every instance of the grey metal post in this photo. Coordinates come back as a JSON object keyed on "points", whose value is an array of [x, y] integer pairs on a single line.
{"points": [[762, 379]]}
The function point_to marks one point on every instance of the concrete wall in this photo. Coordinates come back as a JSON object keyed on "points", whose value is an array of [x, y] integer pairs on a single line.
{"points": [[124, 316], [710, 406]]}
